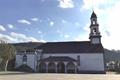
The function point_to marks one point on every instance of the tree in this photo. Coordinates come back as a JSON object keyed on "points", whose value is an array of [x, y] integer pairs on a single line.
{"points": [[7, 52]]}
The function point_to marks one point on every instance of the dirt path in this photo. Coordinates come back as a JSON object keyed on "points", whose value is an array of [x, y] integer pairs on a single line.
{"points": [[27, 76]]}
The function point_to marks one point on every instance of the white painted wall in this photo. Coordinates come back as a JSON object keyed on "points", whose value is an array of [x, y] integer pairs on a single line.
{"points": [[18, 61], [93, 62], [88, 61], [31, 61]]}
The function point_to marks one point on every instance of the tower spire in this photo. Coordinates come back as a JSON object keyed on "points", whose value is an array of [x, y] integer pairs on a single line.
{"points": [[95, 36]]}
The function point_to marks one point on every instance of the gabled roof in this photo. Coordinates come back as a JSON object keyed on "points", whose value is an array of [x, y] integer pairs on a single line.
{"points": [[71, 47], [24, 67], [58, 58]]}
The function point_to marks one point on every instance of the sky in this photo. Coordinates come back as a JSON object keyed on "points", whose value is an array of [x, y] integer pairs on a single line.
{"points": [[59, 20]]}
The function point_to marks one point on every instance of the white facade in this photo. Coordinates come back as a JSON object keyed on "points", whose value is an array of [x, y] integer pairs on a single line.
{"points": [[31, 62], [88, 61]]}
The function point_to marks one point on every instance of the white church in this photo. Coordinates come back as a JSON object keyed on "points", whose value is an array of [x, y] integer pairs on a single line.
{"points": [[66, 57]]}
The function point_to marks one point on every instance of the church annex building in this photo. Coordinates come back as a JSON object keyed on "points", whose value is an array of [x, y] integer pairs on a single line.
{"points": [[65, 57]]}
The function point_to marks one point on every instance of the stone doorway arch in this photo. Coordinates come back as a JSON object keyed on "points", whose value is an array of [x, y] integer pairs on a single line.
{"points": [[70, 67], [51, 67], [61, 67], [42, 67]]}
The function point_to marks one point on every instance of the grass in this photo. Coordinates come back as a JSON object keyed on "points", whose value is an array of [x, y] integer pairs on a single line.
{"points": [[46, 76]]}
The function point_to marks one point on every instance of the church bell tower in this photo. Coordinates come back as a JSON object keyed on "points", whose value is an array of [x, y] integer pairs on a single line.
{"points": [[94, 36]]}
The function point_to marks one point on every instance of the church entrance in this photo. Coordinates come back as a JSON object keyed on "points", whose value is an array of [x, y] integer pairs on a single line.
{"points": [[70, 67], [60, 67], [51, 67], [42, 67]]}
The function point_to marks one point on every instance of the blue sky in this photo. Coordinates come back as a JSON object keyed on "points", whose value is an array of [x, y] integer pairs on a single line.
{"points": [[58, 20]]}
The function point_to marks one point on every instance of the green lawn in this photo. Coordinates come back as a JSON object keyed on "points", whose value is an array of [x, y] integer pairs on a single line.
{"points": [[28, 76]]}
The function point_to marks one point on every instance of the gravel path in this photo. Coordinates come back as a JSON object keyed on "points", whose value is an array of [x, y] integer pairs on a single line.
{"points": [[28, 76]]}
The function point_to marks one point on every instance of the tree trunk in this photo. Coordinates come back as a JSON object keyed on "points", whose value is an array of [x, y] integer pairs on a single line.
{"points": [[6, 64]]}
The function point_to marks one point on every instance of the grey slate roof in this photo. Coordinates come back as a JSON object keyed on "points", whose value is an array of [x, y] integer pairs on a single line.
{"points": [[71, 47]]}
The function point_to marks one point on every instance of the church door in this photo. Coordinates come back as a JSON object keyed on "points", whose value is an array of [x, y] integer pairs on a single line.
{"points": [[70, 67], [42, 67], [60, 67], [51, 67]]}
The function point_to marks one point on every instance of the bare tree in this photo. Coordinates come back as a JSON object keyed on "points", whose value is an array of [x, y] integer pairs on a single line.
{"points": [[7, 52]]}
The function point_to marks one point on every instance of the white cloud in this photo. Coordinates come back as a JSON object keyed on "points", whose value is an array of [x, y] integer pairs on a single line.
{"points": [[2, 28], [52, 23], [89, 4], [64, 21], [21, 37], [66, 36], [40, 32], [99, 6], [6, 38], [112, 24], [66, 4], [23, 21], [87, 27], [81, 37], [63, 35], [108, 19], [34, 19], [10, 26], [85, 36], [18, 37]]}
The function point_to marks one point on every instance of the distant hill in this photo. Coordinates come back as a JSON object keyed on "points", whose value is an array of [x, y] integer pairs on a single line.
{"points": [[112, 55], [26, 46]]}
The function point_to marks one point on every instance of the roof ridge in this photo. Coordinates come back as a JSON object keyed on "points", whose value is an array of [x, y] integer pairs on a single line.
{"points": [[68, 42]]}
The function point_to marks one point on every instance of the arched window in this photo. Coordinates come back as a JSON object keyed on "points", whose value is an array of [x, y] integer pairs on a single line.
{"points": [[42, 67], [70, 67], [51, 67], [60, 67], [24, 58], [93, 22], [94, 31]]}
